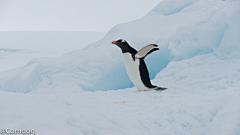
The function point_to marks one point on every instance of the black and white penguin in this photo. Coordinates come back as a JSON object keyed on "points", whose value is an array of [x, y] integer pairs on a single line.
{"points": [[135, 65]]}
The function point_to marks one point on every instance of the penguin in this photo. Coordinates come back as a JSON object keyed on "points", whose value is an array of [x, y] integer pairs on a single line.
{"points": [[135, 65]]}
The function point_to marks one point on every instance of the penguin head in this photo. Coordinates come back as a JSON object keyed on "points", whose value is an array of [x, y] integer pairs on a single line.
{"points": [[122, 44]]}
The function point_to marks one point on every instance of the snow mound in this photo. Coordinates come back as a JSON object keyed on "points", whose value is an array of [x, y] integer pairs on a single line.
{"points": [[169, 7], [182, 29]]}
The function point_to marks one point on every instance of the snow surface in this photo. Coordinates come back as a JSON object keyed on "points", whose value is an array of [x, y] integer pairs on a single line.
{"points": [[87, 91]]}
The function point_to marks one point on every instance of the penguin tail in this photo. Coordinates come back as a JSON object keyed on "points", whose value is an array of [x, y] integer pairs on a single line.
{"points": [[159, 88]]}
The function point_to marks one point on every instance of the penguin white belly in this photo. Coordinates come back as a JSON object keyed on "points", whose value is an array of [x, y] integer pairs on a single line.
{"points": [[132, 68]]}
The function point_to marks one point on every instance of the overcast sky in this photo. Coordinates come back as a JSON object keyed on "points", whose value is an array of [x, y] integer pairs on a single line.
{"points": [[70, 15]]}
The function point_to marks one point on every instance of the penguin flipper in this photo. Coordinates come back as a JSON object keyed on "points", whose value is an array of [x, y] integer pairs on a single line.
{"points": [[145, 51]]}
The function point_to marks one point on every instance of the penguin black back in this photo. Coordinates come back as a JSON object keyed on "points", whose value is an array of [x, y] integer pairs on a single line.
{"points": [[144, 74]]}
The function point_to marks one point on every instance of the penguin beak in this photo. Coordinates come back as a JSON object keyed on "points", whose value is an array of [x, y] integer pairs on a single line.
{"points": [[114, 42]]}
